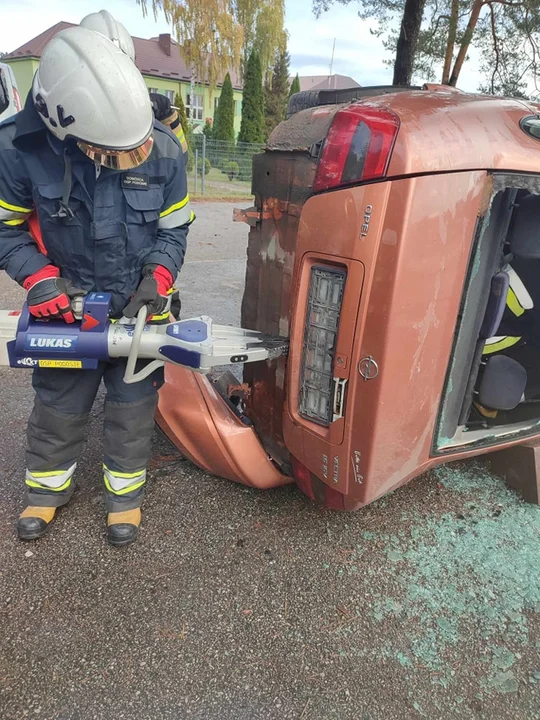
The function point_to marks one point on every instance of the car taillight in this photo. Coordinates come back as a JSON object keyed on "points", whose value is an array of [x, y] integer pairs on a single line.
{"points": [[357, 148], [18, 103], [319, 393]]}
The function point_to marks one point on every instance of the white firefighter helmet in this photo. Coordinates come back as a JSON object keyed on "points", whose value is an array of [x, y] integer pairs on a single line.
{"points": [[87, 89], [104, 23]]}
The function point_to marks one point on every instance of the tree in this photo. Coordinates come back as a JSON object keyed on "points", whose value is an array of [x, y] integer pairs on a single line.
{"points": [[216, 36], [209, 35], [295, 85], [504, 32], [179, 103], [408, 13], [190, 139], [276, 93], [407, 42], [435, 36], [224, 115], [252, 127], [505, 76], [208, 130], [232, 170], [263, 23]]}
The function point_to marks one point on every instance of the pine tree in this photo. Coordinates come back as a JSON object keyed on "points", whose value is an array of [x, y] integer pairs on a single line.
{"points": [[276, 93], [252, 128], [224, 115], [179, 103], [295, 85]]}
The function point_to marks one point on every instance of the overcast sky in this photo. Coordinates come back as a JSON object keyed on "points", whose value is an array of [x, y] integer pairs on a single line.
{"points": [[358, 53]]}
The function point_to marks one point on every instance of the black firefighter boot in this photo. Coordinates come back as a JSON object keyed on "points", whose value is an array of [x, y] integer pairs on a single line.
{"points": [[34, 522], [123, 527]]}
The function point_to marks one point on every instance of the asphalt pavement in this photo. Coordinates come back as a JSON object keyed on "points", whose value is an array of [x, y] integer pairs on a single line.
{"points": [[237, 604]]}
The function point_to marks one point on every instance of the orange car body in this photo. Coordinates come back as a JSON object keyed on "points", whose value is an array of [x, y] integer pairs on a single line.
{"points": [[404, 242]]}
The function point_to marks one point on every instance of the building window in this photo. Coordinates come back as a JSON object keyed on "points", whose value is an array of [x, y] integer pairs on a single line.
{"points": [[216, 103], [195, 111], [168, 93], [238, 107]]}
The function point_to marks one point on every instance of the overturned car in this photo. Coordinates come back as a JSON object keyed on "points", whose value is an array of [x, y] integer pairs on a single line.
{"points": [[395, 240]]}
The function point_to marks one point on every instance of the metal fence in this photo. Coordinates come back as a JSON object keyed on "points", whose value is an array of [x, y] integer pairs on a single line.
{"points": [[220, 169]]}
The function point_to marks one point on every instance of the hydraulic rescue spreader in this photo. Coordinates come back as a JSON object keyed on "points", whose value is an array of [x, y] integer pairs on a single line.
{"points": [[198, 343]]}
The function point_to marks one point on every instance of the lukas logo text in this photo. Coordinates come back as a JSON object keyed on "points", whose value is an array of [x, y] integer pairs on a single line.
{"points": [[51, 342]]}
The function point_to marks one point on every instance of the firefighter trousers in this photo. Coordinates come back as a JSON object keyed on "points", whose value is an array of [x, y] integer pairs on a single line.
{"points": [[57, 428]]}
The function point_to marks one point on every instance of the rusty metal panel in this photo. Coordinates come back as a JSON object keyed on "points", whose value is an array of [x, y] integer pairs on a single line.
{"points": [[282, 182], [303, 130]]}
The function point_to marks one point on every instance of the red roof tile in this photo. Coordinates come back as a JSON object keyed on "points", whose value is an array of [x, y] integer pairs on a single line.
{"points": [[150, 55], [151, 59], [34, 47]]}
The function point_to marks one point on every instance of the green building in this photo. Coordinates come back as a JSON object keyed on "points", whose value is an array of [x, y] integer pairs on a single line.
{"points": [[161, 64]]}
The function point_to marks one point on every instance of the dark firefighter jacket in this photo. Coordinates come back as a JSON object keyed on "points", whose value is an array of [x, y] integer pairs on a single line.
{"points": [[99, 228]]}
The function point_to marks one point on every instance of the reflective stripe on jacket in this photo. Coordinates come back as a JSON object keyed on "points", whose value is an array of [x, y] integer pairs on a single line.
{"points": [[120, 221], [174, 124]]}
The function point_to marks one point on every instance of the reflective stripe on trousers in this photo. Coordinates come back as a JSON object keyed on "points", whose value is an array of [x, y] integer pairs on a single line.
{"points": [[57, 425], [120, 483], [53, 480]]}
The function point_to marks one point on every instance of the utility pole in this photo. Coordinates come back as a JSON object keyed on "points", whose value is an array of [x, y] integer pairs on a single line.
{"points": [[203, 171], [332, 60], [192, 95]]}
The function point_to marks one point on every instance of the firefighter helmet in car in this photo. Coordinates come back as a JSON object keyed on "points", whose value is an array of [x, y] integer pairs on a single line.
{"points": [[87, 89], [104, 23]]}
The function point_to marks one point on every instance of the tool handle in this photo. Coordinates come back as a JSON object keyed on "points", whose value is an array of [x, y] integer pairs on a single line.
{"points": [[130, 376], [77, 305]]}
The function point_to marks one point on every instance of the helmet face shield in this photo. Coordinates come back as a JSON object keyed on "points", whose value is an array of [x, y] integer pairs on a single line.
{"points": [[118, 159]]}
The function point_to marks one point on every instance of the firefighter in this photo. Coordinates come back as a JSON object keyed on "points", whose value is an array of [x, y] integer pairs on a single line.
{"points": [[168, 115], [104, 23], [108, 185]]}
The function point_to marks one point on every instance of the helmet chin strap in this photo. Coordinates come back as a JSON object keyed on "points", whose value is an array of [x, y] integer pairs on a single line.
{"points": [[64, 212]]}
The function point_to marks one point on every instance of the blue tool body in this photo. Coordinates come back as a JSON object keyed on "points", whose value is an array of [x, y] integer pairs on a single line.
{"points": [[85, 341]]}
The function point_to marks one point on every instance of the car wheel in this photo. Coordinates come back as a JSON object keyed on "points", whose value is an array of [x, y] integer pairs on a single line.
{"points": [[303, 101], [316, 98]]}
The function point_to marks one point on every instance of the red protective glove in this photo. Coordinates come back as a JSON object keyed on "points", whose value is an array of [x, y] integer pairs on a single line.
{"points": [[49, 294], [153, 291]]}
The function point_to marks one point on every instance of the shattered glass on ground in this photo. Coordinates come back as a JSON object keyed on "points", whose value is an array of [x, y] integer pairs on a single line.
{"points": [[460, 577]]}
